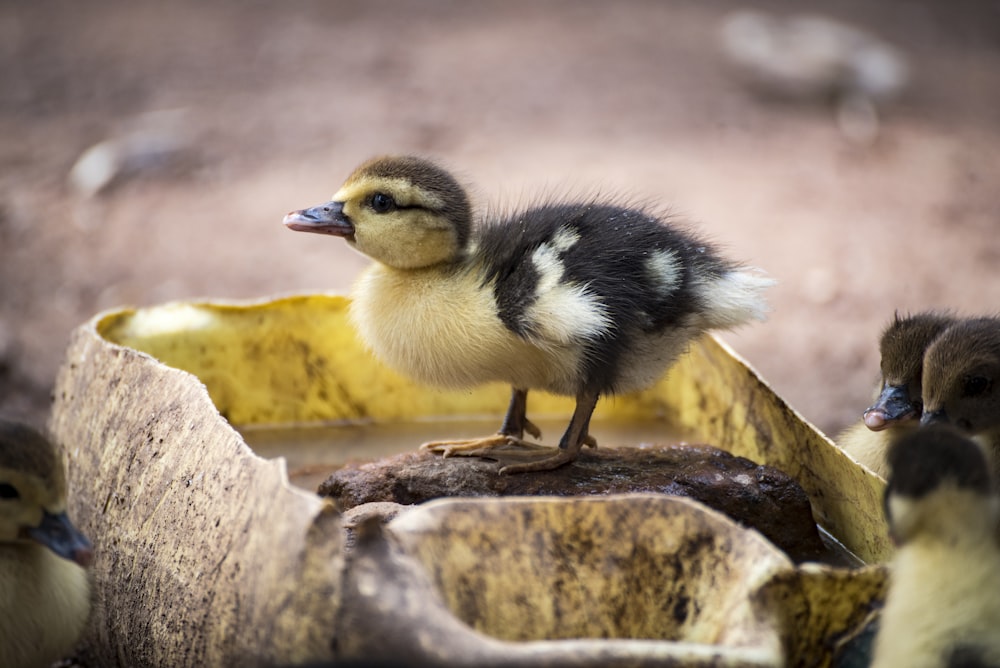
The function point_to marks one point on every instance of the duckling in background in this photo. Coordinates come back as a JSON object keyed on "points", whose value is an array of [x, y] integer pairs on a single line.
{"points": [[961, 384], [576, 298], [44, 590], [941, 504], [902, 346], [898, 405]]}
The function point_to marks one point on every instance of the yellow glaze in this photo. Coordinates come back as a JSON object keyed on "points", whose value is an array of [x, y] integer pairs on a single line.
{"points": [[298, 360]]}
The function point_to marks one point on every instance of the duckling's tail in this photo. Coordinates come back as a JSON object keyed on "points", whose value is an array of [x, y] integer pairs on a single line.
{"points": [[735, 298]]}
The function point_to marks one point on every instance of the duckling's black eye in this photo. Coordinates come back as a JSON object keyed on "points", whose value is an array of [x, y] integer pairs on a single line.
{"points": [[382, 203], [8, 491], [973, 386]]}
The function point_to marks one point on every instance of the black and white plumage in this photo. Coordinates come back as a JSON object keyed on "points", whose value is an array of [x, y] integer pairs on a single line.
{"points": [[578, 298], [44, 588], [942, 609], [961, 383], [898, 404]]}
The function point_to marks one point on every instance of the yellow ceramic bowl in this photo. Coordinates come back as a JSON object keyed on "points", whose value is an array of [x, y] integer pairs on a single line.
{"points": [[206, 555]]}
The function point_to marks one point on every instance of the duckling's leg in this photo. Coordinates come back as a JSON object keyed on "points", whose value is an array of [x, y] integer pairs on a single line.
{"points": [[576, 437], [511, 433], [516, 421]]}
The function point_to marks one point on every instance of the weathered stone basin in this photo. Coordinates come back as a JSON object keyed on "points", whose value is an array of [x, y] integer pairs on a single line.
{"points": [[206, 555]]}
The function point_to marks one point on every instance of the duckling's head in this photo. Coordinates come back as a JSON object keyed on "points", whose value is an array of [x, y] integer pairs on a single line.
{"points": [[402, 211], [33, 495], [938, 477], [902, 346], [961, 384]]}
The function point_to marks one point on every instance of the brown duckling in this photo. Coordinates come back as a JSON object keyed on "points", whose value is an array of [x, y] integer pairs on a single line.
{"points": [[898, 405], [44, 589], [941, 503], [961, 384], [578, 298]]}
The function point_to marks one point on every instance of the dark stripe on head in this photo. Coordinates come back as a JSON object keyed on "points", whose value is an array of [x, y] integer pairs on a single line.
{"points": [[428, 176], [23, 448], [974, 338], [904, 341], [922, 460]]}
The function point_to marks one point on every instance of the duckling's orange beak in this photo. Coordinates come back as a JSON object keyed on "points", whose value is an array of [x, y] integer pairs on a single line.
{"points": [[58, 534], [892, 405], [326, 218]]}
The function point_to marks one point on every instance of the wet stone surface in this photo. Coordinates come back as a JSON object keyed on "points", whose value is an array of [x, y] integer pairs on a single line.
{"points": [[756, 496]]}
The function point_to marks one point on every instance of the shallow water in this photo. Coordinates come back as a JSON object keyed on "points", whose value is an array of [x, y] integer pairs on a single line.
{"points": [[837, 553]]}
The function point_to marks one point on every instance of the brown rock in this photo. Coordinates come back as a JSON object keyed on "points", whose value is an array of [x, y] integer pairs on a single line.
{"points": [[757, 496]]}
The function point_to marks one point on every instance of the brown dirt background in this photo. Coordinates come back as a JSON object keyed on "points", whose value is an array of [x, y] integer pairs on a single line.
{"points": [[521, 98]]}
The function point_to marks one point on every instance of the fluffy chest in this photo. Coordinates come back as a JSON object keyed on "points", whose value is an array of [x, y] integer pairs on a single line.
{"points": [[941, 597], [444, 329], [44, 602]]}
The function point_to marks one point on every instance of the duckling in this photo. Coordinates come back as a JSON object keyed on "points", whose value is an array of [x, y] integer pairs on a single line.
{"points": [[943, 511], [898, 405], [961, 383], [44, 589], [580, 299]]}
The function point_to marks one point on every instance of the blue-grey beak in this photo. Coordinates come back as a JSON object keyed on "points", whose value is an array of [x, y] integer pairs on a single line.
{"points": [[58, 534], [326, 218], [892, 405], [938, 416]]}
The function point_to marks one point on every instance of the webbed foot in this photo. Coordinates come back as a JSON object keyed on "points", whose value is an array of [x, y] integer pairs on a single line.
{"points": [[483, 447]]}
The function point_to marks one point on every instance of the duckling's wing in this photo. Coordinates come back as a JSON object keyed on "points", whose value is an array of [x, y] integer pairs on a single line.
{"points": [[602, 278], [573, 272]]}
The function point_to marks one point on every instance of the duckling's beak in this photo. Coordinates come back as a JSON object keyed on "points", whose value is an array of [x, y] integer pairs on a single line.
{"points": [[892, 405], [58, 534], [326, 218], [932, 417]]}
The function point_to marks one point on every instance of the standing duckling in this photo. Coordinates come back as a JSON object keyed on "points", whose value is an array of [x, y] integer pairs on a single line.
{"points": [[578, 298], [961, 384], [942, 609], [44, 590], [898, 405]]}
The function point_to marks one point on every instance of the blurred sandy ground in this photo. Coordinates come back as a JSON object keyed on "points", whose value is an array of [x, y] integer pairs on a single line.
{"points": [[279, 100]]}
